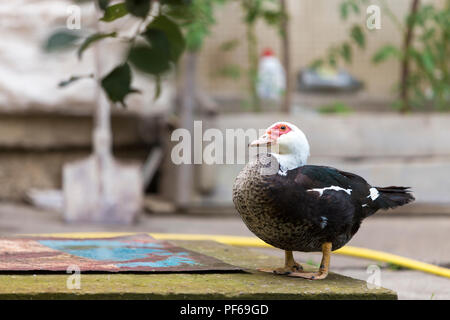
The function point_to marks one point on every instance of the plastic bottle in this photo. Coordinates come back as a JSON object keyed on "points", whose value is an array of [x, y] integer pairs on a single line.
{"points": [[271, 82]]}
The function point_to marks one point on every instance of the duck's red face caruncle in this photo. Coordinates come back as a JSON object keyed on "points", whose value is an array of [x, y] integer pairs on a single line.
{"points": [[272, 134]]}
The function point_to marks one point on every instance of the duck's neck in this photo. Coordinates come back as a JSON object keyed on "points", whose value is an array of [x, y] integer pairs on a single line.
{"points": [[290, 161]]}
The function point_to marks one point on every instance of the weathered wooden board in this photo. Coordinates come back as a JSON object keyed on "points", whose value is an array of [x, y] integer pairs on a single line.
{"points": [[137, 253]]}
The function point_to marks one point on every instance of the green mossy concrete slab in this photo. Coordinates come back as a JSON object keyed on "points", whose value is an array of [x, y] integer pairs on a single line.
{"points": [[249, 285]]}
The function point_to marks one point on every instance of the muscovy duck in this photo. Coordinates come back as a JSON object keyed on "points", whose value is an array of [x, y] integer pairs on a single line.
{"points": [[298, 207]]}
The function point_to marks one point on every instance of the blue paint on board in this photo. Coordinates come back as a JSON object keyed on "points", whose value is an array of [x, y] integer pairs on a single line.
{"points": [[113, 250]]}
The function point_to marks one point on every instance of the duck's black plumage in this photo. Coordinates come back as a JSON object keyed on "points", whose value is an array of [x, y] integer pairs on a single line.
{"points": [[303, 208]]}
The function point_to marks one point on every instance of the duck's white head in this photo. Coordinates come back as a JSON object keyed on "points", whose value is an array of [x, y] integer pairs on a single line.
{"points": [[288, 145]]}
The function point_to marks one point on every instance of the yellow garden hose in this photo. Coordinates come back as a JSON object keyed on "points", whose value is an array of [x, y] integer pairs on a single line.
{"points": [[255, 242]]}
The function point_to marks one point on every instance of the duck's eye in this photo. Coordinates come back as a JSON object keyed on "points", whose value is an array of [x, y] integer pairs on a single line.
{"points": [[283, 127]]}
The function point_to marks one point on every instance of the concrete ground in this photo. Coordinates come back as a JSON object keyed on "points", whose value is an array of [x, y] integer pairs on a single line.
{"points": [[421, 238]]}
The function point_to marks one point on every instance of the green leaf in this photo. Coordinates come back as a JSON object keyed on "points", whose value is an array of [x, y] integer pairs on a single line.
{"points": [[60, 40], [172, 32], [343, 8], [196, 20], [114, 12], [117, 83], [332, 56], [332, 60], [138, 8], [354, 6], [428, 34], [149, 60], [229, 45], [272, 17], [93, 38], [181, 13], [103, 4], [158, 41], [316, 64], [385, 52], [252, 9], [346, 52], [232, 71], [195, 35], [337, 107], [358, 36], [428, 61]]}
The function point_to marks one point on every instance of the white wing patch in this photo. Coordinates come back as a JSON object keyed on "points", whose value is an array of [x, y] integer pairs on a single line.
{"points": [[334, 188], [374, 194]]}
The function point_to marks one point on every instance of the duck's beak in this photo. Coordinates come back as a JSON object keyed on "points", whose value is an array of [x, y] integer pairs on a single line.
{"points": [[266, 139]]}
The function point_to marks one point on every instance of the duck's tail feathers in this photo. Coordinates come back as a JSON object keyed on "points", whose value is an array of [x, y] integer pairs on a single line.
{"points": [[392, 197]]}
